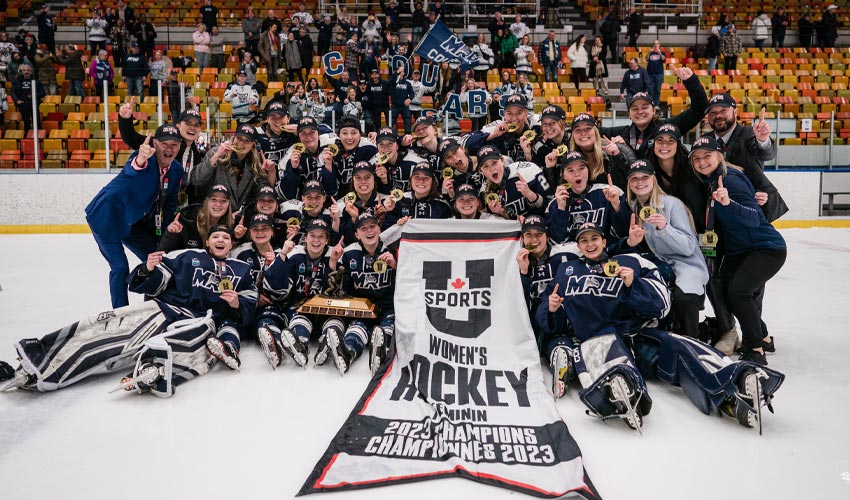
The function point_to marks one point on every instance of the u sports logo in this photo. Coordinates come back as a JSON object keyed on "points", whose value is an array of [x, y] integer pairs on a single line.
{"points": [[468, 294]]}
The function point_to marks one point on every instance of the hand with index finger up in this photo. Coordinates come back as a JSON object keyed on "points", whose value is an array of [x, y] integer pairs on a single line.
{"points": [[555, 300], [761, 129], [612, 194]]}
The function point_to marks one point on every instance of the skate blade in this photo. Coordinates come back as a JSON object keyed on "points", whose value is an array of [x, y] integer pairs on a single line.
{"points": [[333, 345], [14, 382], [753, 387], [217, 350], [288, 341], [620, 392], [267, 344]]}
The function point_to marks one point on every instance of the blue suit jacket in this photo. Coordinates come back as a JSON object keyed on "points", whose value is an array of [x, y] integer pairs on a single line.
{"points": [[130, 196]]}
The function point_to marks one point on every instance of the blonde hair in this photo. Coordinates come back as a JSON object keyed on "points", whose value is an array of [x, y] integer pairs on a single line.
{"points": [[203, 218], [254, 161], [595, 159]]}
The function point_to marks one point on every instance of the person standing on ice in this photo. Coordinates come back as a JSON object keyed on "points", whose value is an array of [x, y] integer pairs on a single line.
{"points": [[137, 206], [600, 315]]}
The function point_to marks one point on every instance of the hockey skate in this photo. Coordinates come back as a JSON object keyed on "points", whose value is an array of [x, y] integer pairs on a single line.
{"points": [[270, 345], [626, 403], [377, 350], [748, 401], [20, 380], [145, 377], [322, 353], [6, 371], [297, 349], [342, 357], [562, 370], [224, 352]]}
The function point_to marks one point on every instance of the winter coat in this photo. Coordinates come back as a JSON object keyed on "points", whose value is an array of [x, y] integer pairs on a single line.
{"points": [[73, 63], [292, 54], [577, 56], [201, 41], [46, 63], [761, 27]]}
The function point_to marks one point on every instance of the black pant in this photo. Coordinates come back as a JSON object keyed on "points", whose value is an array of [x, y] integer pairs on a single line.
{"points": [[744, 277], [324, 46], [579, 75], [253, 46], [685, 312], [293, 74], [609, 44], [730, 63]]}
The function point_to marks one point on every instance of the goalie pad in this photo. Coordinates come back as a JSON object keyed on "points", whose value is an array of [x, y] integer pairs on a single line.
{"points": [[597, 360], [103, 343], [707, 377]]}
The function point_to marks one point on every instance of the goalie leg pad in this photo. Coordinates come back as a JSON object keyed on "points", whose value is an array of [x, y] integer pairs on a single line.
{"points": [[597, 360]]}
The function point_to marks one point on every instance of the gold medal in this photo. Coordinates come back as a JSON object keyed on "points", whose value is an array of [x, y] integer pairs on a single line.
{"points": [[529, 247], [299, 146], [333, 148], [293, 221], [225, 284], [397, 195], [350, 197], [383, 158], [513, 127], [309, 208], [490, 198], [379, 266], [567, 185], [611, 267], [529, 135], [236, 148], [562, 150], [417, 137], [708, 239], [646, 212], [448, 173]]}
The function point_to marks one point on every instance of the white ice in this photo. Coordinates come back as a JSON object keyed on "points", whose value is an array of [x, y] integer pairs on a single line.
{"points": [[258, 433]]}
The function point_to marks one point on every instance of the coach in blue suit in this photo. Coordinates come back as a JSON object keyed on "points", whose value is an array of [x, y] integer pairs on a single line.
{"points": [[134, 209]]}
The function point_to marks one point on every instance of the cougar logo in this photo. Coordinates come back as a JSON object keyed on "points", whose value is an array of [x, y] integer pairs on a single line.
{"points": [[471, 293]]}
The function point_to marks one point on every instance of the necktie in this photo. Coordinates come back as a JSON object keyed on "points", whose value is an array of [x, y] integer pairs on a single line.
{"points": [[722, 144]]}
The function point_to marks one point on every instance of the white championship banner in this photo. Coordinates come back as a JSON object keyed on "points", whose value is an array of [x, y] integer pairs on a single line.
{"points": [[464, 394]]}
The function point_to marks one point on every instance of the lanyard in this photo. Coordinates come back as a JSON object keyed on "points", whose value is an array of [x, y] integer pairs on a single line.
{"points": [[709, 209], [160, 201], [309, 282]]}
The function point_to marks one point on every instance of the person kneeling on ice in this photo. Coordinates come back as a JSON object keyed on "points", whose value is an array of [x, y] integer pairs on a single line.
{"points": [[610, 306], [195, 293]]}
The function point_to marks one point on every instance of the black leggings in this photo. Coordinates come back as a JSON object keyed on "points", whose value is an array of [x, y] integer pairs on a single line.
{"points": [[685, 312], [744, 277]]}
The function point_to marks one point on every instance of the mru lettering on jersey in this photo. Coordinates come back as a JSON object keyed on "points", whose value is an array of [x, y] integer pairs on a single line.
{"points": [[448, 295], [203, 278], [591, 284]]}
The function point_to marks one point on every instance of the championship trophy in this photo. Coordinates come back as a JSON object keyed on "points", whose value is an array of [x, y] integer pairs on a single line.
{"points": [[332, 303]]}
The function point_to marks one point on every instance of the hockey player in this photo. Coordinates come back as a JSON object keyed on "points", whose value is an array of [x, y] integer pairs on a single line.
{"points": [[243, 97], [363, 198], [468, 205], [519, 188], [604, 157], [605, 303], [353, 148], [399, 164], [314, 162], [363, 277], [167, 338], [553, 128], [425, 140], [576, 202], [297, 275], [190, 226], [276, 136], [311, 206], [464, 170], [422, 201], [508, 136]]}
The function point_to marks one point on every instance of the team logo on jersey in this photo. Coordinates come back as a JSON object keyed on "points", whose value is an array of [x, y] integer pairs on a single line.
{"points": [[447, 294], [569, 270], [301, 268], [193, 244], [105, 315], [196, 262], [352, 264]]}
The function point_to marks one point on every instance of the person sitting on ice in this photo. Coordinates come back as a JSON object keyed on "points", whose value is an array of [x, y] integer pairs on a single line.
{"points": [[199, 298], [597, 308]]}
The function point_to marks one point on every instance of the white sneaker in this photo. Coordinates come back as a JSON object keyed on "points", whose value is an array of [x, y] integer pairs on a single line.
{"points": [[727, 342]]}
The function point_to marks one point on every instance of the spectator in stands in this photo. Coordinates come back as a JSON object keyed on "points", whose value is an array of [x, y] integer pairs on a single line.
{"points": [[4, 105], [14, 68], [478, 119], [19, 38], [295, 28], [761, 29], [160, 69], [731, 47], [209, 15], [291, 55], [438, 7], [351, 105], [371, 55], [97, 31], [519, 29], [183, 61], [28, 48], [45, 63], [448, 80], [722, 20], [201, 39], [496, 24], [22, 94], [243, 97], [352, 57], [418, 21], [6, 50], [401, 97], [577, 54], [828, 27], [313, 84], [655, 69], [46, 29], [171, 91], [508, 46], [307, 51], [712, 47], [779, 23], [486, 58], [111, 19], [524, 55], [249, 66], [124, 13], [550, 56], [216, 48], [135, 70], [523, 87], [304, 18], [634, 27], [101, 71], [806, 28], [635, 80], [251, 30], [145, 35], [326, 29], [120, 37], [379, 91], [272, 20], [74, 72], [419, 91], [507, 85], [597, 69], [371, 28], [269, 47]]}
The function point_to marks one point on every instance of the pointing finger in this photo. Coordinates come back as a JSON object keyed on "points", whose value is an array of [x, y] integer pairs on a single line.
{"points": [[177, 218], [242, 221], [633, 220], [610, 181], [555, 290], [720, 182], [148, 139], [132, 100], [761, 114]]}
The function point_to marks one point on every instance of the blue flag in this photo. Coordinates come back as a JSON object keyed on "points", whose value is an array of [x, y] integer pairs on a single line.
{"points": [[441, 45]]}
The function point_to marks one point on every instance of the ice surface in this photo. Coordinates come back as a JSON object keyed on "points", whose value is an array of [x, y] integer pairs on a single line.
{"points": [[258, 433]]}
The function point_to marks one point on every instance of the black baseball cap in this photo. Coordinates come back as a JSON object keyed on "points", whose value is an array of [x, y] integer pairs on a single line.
{"points": [[572, 157], [584, 118], [318, 224], [588, 226], [386, 134], [424, 120], [167, 133], [241, 73], [640, 96], [277, 108], [448, 145], [307, 123], [668, 129], [189, 114], [725, 100], [362, 165], [641, 167], [534, 222], [220, 228], [260, 219], [424, 167], [266, 191], [466, 190], [705, 143], [554, 112], [245, 131], [516, 100], [313, 186], [486, 153], [349, 121], [218, 188], [365, 218]]}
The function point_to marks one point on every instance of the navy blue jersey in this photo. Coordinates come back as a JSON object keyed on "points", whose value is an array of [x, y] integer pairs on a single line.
{"points": [[346, 226], [247, 253], [399, 172], [344, 162], [402, 91], [429, 208], [361, 280], [541, 272], [596, 304], [433, 159], [297, 277], [514, 202], [273, 146], [507, 143], [590, 206], [290, 180], [185, 284], [295, 209]]}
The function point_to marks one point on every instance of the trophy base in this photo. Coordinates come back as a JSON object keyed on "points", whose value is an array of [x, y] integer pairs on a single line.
{"points": [[346, 307]]}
